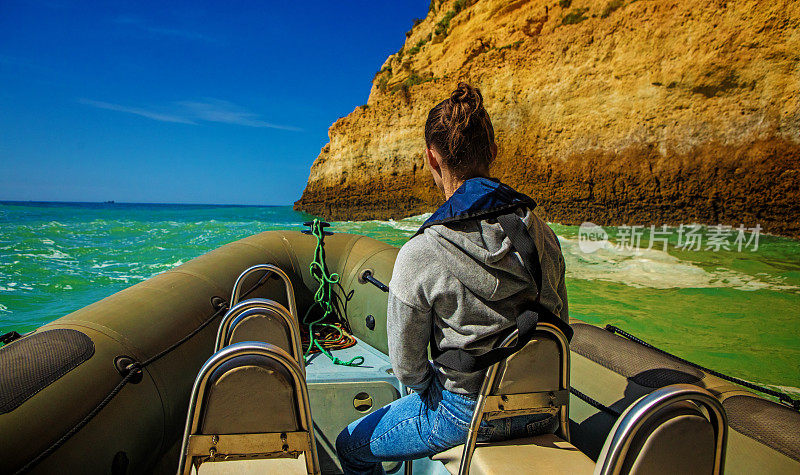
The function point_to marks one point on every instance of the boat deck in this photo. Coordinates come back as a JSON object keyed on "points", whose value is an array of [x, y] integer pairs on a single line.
{"points": [[341, 394]]}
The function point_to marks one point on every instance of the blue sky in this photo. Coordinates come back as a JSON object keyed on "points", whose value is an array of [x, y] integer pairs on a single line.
{"points": [[181, 102]]}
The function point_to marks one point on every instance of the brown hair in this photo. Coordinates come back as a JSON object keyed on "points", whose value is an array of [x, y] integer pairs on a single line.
{"points": [[460, 130]]}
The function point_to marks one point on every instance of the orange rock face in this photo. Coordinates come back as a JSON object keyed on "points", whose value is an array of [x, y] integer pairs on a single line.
{"points": [[643, 112]]}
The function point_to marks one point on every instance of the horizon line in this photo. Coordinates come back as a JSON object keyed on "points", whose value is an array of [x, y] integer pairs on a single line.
{"points": [[113, 202]]}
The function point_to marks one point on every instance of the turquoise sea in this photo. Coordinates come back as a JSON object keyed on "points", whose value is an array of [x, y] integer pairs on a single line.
{"points": [[734, 311]]}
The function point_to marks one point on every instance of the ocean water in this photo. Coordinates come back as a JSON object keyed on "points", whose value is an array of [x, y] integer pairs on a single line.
{"points": [[736, 311]]}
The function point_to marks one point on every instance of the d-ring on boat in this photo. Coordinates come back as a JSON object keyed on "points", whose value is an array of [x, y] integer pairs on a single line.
{"points": [[185, 373]]}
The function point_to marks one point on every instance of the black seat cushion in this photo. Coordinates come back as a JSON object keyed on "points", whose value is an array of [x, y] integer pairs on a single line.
{"points": [[642, 365], [34, 362]]}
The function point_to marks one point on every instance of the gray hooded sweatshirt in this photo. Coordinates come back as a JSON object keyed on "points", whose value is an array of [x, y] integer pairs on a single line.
{"points": [[466, 282]]}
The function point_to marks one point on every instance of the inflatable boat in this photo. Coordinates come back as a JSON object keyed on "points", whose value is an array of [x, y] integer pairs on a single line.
{"points": [[147, 381]]}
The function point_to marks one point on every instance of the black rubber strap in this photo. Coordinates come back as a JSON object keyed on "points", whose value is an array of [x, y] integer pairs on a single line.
{"points": [[521, 240], [466, 362]]}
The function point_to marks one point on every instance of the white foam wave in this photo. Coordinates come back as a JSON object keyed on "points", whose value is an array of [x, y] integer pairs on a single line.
{"points": [[54, 254], [103, 265], [410, 224], [403, 225], [651, 268], [128, 278], [419, 218], [3, 308]]}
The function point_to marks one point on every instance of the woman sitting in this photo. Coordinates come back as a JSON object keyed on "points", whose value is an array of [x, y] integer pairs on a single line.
{"points": [[458, 284]]}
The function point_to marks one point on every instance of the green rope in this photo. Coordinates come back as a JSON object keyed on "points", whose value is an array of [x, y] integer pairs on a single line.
{"points": [[324, 297]]}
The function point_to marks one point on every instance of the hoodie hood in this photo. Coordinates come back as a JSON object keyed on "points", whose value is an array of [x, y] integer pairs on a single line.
{"points": [[473, 246], [478, 198], [481, 257]]}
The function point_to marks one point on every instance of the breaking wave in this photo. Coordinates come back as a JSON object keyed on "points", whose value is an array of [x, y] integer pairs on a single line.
{"points": [[656, 269]]}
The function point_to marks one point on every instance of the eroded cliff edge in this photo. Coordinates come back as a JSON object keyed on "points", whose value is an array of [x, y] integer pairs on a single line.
{"points": [[634, 112]]}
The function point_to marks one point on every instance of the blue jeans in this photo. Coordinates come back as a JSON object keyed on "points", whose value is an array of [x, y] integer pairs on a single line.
{"points": [[421, 425]]}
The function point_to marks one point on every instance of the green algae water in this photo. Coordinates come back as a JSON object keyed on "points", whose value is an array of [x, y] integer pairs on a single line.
{"points": [[734, 311]]}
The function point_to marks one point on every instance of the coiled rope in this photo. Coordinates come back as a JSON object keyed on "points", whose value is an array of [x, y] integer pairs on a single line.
{"points": [[326, 298]]}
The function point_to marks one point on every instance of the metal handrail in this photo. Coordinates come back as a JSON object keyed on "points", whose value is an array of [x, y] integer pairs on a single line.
{"points": [[295, 343], [631, 421], [489, 385], [241, 349], [243, 306], [237, 286]]}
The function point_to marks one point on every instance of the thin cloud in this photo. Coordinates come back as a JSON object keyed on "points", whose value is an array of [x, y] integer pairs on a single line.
{"points": [[195, 112], [215, 110], [137, 111], [142, 25]]}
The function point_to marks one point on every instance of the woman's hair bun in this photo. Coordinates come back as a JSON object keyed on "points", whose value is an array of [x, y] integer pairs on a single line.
{"points": [[465, 102], [466, 94], [459, 128]]}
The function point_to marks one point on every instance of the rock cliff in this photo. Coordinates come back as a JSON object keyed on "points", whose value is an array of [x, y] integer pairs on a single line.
{"points": [[635, 112]]}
